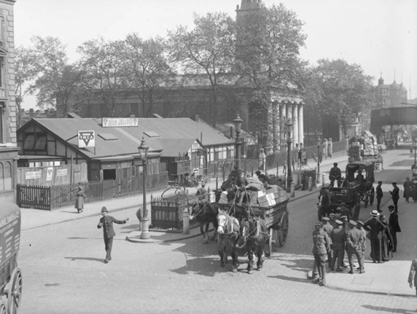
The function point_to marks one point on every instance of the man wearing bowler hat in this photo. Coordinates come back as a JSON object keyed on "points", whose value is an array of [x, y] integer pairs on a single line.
{"points": [[375, 227], [108, 232], [354, 242]]}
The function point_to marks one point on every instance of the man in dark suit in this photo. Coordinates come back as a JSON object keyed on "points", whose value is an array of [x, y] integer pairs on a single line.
{"points": [[108, 232], [395, 195], [375, 228], [379, 195], [394, 226]]}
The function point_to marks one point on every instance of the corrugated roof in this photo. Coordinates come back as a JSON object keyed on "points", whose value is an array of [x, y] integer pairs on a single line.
{"points": [[181, 131]]}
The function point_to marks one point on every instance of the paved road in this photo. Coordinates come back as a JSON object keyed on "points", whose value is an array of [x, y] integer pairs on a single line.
{"points": [[63, 270]]}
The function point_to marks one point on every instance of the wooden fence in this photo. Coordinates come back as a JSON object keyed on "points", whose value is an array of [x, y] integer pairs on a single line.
{"points": [[52, 197]]}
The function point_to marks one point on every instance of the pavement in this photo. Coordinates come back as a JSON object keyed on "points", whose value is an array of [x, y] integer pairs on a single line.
{"points": [[388, 278]]}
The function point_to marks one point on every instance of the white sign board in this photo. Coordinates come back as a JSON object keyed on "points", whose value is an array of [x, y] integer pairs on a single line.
{"points": [[49, 173], [61, 173], [119, 122], [33, 175], [86, 139]]}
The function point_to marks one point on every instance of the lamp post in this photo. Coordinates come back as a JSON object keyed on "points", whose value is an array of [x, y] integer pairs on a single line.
{"points": [[238, 123], [318, 159], [143, 155], [289, 124]]}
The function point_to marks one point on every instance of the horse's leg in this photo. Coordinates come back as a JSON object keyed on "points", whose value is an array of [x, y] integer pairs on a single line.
{"points": [[221, 254], [234, 261], [250, 260], [215, 226], [259, 252], [204, 233]]}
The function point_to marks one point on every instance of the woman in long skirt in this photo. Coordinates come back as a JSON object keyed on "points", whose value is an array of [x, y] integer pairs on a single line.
{"points": [[80, 197]]}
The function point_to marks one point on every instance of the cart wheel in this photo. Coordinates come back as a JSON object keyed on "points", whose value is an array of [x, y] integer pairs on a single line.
{"points": [[14, 293], [282, 232], [372, 197], [3, 309]]}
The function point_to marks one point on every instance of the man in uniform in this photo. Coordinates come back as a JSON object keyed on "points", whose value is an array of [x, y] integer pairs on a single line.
{"points": [[338, 238], [354, 241], [394, 226], [379, 195], [335, 174], [359, 225], [395, 195], [375, 228], [108, 232], [332, 220], [321, 245], [327, 227]]}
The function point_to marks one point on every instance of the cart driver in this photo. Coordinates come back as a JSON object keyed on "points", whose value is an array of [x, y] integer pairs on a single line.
{"points": [[335, 175], [359, 177], [202, 194]]}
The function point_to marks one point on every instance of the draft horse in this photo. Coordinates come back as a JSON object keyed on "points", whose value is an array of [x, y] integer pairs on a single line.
{"points": [[205, 214], [255, 239], [228, 231]]}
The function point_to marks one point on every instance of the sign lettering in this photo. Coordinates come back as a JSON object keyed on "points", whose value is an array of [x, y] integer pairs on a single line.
{"points": [[31, 175], [119, 122], [86, 139], [61, 172], [49, 173]]}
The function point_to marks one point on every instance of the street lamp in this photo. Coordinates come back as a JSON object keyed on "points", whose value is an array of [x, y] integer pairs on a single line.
{"points": [[143, 155], [289, 124], [238, 123], [318, 159]]}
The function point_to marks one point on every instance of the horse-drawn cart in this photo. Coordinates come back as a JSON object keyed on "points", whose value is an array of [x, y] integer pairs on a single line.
{"points": [[10, 274], [276, 219]]}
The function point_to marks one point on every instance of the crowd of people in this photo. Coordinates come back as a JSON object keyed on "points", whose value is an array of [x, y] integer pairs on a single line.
{"points": [[334, 239]]}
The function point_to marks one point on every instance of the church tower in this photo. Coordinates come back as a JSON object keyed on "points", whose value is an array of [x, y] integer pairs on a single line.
{"points": [[247, 7]]}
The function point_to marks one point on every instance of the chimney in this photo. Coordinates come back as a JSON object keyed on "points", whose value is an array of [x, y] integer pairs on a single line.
{"points": [[197, 118], [231, 132]]}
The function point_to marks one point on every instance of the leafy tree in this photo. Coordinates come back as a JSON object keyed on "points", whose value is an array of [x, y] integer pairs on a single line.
{"points": [[104, 71], [25, 73], [344, 91], [205, 54], [147, 69]]}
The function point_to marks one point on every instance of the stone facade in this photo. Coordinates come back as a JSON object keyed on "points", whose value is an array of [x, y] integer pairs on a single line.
{"points": [[390, 95]]}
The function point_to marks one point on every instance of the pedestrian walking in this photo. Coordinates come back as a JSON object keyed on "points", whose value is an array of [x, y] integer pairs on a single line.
{"points": [[379, 195], [412, 276], [394, 226], [79, 200], [327, 227], [407, 189], [338, 238], [106, 222], [386, 241], [395, 195], [321, 245], [414, 189], [354, 242], [375, 228]]}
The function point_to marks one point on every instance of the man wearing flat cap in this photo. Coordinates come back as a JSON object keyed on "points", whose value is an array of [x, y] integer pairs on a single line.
{"points": [[338, 238], [379, 195], [375, 227], [321, 245], [354, 242], [108, 232]]}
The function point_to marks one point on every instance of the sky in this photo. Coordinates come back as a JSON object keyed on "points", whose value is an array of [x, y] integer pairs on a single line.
{"points": [[379, 35]]}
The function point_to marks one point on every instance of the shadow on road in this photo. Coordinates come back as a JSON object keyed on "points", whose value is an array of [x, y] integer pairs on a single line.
{"points": [[387, 309], [94, 259], [294, 263], [295, 279]]}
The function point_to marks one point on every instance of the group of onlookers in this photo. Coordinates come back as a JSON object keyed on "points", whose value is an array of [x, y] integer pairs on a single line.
{"points": [[332, 238]]}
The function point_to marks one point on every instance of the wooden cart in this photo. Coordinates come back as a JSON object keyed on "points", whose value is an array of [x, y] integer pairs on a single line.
{"points": [[276, 218], [10, 274]]}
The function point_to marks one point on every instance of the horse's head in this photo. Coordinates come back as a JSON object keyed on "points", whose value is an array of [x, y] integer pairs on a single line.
{"points": [[226, 223], [196, 210], [221, 222]]}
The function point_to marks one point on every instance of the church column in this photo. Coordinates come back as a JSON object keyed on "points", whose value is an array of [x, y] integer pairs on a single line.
{"points": [[295, 126], [301, 124]]}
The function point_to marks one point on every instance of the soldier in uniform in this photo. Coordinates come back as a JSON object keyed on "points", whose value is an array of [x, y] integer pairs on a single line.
{"points": [[106, 222], [354, 241], [412, 275], [379, 195], [327, 227], [375, 228], [335, 175], [332, 220], [321, 245], [338, 238], [359, 226]]}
